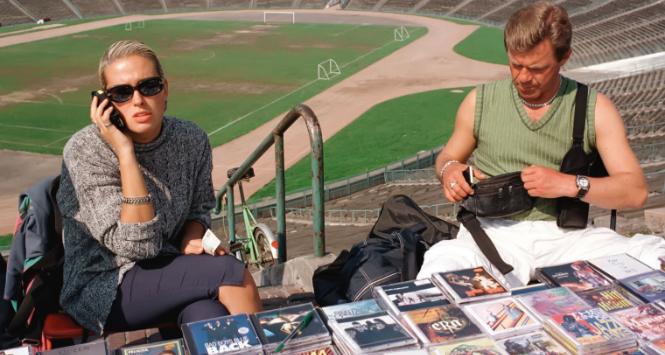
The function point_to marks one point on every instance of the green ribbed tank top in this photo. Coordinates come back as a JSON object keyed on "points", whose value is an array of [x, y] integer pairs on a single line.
{"points": [[508, 140]]}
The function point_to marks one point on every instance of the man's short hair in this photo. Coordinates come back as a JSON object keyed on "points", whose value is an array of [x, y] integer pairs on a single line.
{"points": [[123, 49], [532, 24]]}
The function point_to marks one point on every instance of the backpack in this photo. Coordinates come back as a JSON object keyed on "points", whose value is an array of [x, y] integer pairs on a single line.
{"points": [[34, 274], [393, 252]]}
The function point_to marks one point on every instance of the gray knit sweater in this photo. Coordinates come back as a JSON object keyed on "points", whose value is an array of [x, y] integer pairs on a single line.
{"points": [[99, 249]]}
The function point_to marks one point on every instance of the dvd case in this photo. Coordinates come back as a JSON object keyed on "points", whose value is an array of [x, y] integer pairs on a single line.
{"points": [[404, 296], [609, 299], [339, 312], [577, 276], [436, 325], [370, 333], [222, 335], [503, 317], [535, 343], [649, 287], [591, 331], [167, 347], [481, 345], [646, 321], [95, 347], [619, 266], [275, 325], [553, 301], [469, 285]]}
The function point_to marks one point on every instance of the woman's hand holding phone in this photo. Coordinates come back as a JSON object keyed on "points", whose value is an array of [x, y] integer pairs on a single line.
{"points": [[100, 115]]}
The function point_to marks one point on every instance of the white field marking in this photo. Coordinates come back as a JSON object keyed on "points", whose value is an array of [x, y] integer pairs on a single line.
{"points": [[457, 91], [20, 143], [56, 97], [58, 140], [348, 30], [35, 128], [212, 55], [217, 130]]}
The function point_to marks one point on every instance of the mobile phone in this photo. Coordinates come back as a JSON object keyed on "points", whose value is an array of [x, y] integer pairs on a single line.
{"points": [[468, 175], [116, 117]]}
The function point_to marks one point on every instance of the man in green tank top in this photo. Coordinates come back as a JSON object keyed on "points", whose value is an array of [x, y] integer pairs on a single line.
{"points": [[525, 124]]}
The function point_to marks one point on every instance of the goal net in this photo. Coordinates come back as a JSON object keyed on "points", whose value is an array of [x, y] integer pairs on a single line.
{"points": [[327, 69], [401, 34], [279, 17]]}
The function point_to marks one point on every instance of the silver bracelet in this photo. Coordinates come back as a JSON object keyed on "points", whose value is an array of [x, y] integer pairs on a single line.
{"points": [[445, 166], [140, 200]]}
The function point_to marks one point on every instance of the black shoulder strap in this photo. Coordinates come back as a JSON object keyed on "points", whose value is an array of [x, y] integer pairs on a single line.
{"points": [[578, 131], [485, 244], [580, 113]]}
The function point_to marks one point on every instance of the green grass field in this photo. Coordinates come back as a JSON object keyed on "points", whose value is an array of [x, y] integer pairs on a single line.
{"points": [[228, 77], [429, 124], [388, 132], [484, 44]]}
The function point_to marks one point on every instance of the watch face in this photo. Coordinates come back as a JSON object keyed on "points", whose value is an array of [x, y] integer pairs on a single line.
{"points": [[583, 182]]}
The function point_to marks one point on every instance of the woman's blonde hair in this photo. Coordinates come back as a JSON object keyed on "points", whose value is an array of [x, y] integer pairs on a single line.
{"points": [[535, 23], [123, 49]]}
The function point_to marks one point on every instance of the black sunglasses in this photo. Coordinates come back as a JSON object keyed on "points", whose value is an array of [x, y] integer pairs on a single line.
{"points": [[147, 87]]}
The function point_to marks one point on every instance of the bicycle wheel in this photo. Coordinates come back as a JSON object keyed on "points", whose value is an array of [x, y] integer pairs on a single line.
{"points": [[264, 237]]}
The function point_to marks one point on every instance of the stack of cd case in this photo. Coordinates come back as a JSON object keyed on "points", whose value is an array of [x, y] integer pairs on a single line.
{"points": [[504, 317], [470, 285], [370, 333], [223, 335], [591, 331], [274, 326]]}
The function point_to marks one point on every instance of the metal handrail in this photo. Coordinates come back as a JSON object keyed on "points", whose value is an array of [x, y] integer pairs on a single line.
{"points": [[276, 137]]}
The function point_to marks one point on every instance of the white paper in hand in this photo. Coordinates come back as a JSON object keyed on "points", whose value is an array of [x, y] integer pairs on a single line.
{"points": [[210, 242]]}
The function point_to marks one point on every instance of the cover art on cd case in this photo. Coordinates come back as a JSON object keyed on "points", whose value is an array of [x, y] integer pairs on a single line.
{"points": [[169, 347], [376, 331], [577, 276], [353, 309], [609, 299], [503, 316], [647, 321], [470, 283], [553, 301], [414, 294], [221, 335], [275, 325], [592, 326], [620, 266], [536, 343], [476, 346], [444, 323], [649, 287]]}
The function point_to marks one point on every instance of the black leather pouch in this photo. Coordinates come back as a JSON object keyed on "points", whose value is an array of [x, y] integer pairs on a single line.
{"points": [[499, 196]]}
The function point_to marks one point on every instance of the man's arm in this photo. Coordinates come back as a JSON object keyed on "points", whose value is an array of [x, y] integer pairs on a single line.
{"points": [[625, 187], [451, 162]]}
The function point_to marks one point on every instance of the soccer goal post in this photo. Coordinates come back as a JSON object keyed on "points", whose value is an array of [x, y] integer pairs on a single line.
{"points": [[328, 69], [401, 34], [279, 17]]}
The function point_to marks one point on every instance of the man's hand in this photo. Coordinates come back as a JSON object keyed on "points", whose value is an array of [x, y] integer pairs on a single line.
{"points": [[548, 183], [455, 187]]}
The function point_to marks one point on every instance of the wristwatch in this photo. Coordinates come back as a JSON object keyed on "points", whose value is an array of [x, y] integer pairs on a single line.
{"points": [[583, 185]]}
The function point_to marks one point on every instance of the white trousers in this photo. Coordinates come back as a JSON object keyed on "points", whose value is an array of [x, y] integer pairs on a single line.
{"points": [[527, 245]]}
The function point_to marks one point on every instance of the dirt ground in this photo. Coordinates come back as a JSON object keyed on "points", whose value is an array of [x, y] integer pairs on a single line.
{"points": [[426, 64]]}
